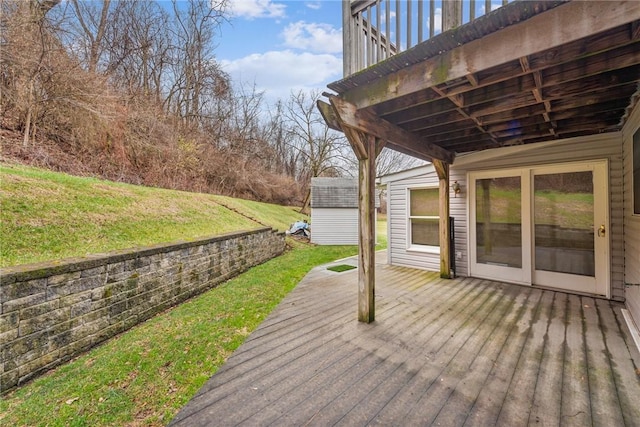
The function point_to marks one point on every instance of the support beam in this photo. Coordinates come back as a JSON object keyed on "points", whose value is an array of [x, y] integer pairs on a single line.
{"points": [[366, 237], [329, 115], [366, 147], [348, 115], [442, 169]]}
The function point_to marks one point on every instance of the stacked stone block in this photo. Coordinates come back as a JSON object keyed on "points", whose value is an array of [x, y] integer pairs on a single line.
{"points": [[52, 312]]}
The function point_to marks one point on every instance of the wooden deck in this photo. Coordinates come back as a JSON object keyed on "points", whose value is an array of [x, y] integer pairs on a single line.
{"points": [[441, 352]]}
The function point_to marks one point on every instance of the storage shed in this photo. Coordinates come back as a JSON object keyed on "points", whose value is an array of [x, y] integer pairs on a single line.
{"points": [[334, 211]]}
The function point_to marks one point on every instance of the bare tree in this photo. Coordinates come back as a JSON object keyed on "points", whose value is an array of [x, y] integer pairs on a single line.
{"points": [[390, 161], [92, 18], [285, 159], [138, 80], [198, 76], [26, 46], [139, 49], [322, 151]]}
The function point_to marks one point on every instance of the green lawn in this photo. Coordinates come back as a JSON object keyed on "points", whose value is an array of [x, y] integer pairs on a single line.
{"points": [[381, 232]]}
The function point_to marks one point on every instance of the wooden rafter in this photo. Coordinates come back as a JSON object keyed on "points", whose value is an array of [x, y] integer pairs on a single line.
{"points": [[397, 137], [458, 101]]}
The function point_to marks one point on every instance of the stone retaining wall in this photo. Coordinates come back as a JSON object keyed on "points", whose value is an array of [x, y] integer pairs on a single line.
{"points": [[52, 312]]}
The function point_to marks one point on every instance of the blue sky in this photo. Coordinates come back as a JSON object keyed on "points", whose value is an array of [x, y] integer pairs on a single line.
{"points": [[289, 45], [282, 46]]}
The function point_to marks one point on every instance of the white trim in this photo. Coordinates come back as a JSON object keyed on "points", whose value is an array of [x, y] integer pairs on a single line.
{"points": [[633, 328], [424, 249], [410, 246]]}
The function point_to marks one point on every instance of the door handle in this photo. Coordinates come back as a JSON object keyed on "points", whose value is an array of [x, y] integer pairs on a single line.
{"points": [[601, 231]]}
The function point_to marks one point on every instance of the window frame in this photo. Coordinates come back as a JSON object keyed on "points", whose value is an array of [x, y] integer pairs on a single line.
{"points": [[414, 247]]}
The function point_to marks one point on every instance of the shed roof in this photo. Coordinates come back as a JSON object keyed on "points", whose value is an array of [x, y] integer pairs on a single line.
{"points": [[334, 193]]}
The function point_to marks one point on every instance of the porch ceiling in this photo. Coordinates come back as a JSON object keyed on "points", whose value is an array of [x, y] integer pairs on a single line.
{"points": [[525, 73]]}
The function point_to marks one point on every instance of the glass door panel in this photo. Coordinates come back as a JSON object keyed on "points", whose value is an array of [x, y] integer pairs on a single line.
{"points": [[499, 221], [564, 223], [498, 228]]}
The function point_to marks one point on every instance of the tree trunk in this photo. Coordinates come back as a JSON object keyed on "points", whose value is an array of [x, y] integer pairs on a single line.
{"points": [[27, 120]]}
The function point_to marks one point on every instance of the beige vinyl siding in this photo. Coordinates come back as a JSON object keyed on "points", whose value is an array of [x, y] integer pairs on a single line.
{"points": [[458, 210], [398, 223], [605, 146], [631, 221], [334, 226], [398, 252]]}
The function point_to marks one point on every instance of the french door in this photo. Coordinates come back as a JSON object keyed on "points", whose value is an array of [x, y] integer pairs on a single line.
{"points": [[544, 226]]}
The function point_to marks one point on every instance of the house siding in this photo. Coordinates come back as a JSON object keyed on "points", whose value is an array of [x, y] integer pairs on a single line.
{"points": [[398, 254], [601, 147], [631, 221], [334, 226], [458, 210]]}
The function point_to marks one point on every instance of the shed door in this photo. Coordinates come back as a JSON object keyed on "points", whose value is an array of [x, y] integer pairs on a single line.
{"points": [[545, 226]]}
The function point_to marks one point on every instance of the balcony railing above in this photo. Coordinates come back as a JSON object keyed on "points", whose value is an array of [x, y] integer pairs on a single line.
{"points": [[374, 30]]}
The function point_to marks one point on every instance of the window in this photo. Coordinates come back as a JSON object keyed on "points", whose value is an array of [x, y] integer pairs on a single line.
{"points": [[636, 172], [424, 219]]}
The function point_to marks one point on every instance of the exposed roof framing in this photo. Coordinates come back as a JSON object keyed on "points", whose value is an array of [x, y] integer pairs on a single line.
{"points": [[530, 71]]}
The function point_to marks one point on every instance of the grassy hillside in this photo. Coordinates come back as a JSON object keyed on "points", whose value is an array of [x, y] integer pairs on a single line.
{"points": [[144, 375], [46, 215]]}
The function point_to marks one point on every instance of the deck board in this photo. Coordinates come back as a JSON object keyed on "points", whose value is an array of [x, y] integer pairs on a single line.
{"points": [[442, 352], [547, 399], [605, 407], [576, 403]]}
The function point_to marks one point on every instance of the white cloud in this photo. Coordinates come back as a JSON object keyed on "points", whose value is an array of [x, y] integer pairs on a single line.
{"points": [[277, 73], [251, 9], [313, 37], [494, 6], [314, 5], [437, 27]]}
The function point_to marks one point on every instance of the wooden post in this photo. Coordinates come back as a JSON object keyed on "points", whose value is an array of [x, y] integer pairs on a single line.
{"points": [[348, 40], [361, 134], [451, 14], [366, 238], [442, 169], [367, 148]]}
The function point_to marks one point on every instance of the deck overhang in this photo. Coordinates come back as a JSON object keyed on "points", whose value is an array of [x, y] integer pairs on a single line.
{"points": [[528, 72]]}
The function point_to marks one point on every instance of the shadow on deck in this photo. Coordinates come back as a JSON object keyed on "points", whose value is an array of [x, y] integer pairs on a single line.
{"points": [[441, 352]]}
